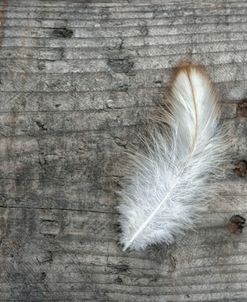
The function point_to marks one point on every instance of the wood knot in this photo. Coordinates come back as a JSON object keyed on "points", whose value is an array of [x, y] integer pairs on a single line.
{"points": [[236, 224], [242, 109], [62, 32], [241, 168]]}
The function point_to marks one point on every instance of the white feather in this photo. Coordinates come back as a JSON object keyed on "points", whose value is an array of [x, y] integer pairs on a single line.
{"points": [[167, 186]]}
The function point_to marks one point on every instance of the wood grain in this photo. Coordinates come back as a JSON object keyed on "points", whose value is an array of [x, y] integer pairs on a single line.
{"points": [[78, 80]]}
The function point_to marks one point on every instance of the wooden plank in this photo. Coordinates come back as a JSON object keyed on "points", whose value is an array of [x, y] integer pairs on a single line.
{"points": [[78, 80]]}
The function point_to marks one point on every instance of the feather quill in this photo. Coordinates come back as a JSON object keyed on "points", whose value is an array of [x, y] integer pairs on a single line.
{"points": [[168, 184]]}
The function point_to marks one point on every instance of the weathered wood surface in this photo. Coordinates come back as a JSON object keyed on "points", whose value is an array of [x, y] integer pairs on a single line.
{"points": [[77, 82]]}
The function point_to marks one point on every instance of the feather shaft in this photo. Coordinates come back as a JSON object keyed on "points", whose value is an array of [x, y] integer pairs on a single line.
{"points": [[142, 227]]}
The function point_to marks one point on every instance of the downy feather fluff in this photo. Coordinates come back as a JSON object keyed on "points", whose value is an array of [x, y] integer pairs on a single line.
{"points": [[168, 185]]}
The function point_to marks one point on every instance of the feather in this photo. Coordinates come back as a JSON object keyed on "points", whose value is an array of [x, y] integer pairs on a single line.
{"points": [[170, 183]]}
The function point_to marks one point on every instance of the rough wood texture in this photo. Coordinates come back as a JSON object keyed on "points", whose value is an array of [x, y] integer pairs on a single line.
{"points": [[77, 82]]}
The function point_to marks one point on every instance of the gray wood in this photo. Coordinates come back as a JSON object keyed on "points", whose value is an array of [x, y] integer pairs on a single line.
{"points": [[78, 80]]}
